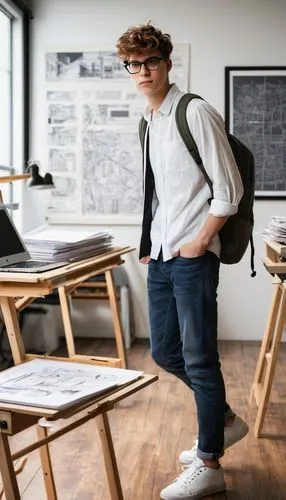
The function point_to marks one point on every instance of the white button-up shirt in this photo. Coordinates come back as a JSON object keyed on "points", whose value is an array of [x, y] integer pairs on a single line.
{"points": [[180, 203]]}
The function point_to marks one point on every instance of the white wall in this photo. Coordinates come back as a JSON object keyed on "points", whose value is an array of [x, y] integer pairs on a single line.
{"points": [[221, 33]]}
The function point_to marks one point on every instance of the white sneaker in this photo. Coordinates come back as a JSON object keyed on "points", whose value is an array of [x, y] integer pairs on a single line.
{"points": [[196, 481], [232, 435]]}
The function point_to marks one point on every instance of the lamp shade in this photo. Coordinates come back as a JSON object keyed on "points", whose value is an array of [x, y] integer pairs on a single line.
{"points": [[36, 180]]}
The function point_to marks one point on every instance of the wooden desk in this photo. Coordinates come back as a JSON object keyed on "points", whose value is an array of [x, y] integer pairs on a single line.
{"points": [[15, 418], [17, 290], [275, 263]]}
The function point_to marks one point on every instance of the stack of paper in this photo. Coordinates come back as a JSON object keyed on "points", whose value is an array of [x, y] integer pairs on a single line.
{"points": [[276, 229], [58, 244], [59, 384]]}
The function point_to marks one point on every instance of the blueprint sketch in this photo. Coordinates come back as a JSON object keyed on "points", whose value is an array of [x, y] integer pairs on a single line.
{"points": [[62, 160], [61, 113], [58, 384], [62, 136], [65, 196], [93, 149], [61, 95], [112, 183], [91, 65], [259, 120], [105, 65]]}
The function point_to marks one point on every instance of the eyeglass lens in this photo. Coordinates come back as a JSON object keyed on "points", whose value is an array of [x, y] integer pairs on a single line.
{"points": [[151, 64]]}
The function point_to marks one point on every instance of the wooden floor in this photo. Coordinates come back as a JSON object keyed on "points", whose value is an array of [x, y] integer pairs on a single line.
{"points": [[152, 427]]}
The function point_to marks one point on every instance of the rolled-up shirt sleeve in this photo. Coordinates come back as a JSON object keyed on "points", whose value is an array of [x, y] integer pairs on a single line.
{"points": [[207, 128]]}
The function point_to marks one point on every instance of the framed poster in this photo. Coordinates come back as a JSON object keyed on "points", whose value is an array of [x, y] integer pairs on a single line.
{"points": [[255, 112]]}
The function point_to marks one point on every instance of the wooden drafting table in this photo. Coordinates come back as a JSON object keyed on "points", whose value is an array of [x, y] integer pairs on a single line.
{"points": [[17, 290], [275, 263], [16, 418]]}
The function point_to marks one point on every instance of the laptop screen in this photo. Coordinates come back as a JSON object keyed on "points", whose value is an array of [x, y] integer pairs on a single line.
{"points": [[12, 249]]}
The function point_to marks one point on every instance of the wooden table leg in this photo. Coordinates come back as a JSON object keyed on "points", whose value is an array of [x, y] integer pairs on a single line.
{"points": [[119, 338], [265, 370], [109, 457], [47, 465], [65, 309], [10, 484], [13, 329], [265, 346]]}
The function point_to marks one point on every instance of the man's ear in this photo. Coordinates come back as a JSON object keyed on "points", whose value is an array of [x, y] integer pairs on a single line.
{"points": [[169, 65]]}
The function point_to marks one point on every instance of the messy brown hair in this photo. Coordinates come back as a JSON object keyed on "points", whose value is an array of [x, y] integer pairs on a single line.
{"points": [[143, 39]]}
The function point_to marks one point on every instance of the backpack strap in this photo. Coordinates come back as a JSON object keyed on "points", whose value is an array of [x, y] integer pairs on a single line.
{"points": [[185, 133], [253, 272]]}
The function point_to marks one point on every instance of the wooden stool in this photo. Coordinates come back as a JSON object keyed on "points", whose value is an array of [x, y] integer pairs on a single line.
{"points": [[274, 262]]}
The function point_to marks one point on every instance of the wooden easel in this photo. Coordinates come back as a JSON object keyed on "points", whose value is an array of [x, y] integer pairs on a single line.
{"points": [[275, 263], [15, 418]]}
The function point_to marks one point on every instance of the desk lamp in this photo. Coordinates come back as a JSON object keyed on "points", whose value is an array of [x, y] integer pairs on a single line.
{"points": [[37, 181], [33, 177]]}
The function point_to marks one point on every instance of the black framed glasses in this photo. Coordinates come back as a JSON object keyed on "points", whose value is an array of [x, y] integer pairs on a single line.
{"points": [[152, 63]]}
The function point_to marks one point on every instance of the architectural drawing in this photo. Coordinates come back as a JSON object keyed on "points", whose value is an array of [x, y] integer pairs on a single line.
{"points": [[112, 182], [62, 136], [97, 66], [57, 384], [102, 114], [93, 149], [61, 95], [65, 196], [102, 95], [61, 114], [105, 65], [62, 160], [259, 120]]}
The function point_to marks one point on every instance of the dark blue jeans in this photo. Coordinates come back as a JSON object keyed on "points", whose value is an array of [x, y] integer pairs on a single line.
{"points": [[183, 325]]}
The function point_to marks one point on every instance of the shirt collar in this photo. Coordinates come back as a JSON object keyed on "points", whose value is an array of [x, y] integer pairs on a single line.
{"points": [[166, 105]]}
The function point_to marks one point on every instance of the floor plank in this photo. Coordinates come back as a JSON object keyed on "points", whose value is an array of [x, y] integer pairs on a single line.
{"points": [[151, 428]]}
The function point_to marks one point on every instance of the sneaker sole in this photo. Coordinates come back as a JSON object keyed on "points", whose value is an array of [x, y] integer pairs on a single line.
{"points": [[244, 433], [198, 496]]}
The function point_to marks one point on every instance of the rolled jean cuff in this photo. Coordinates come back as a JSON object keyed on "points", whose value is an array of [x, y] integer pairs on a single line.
{"points": [[209, 456]]}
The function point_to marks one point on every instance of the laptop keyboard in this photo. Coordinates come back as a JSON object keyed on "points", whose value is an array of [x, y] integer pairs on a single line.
{"points": [[28, 264]]}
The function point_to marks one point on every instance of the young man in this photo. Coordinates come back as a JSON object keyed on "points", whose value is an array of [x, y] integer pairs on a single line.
{"points": [[181, 246]]}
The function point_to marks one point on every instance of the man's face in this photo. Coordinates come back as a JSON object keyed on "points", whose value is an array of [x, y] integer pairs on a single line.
{"points": [[151, 81]]}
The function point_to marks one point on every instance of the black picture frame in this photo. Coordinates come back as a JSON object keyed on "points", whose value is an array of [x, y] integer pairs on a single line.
{"points": [[255, 112]]}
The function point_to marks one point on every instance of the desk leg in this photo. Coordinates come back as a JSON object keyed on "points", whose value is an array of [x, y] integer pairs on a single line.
{"points": [[119, 338], [7, 470], [67, 321], [47, 465], [13, 329], [265, 370], [109, 457]]}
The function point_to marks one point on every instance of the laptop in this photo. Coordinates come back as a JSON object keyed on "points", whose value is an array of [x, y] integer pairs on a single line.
{"points": [[14, 255]]}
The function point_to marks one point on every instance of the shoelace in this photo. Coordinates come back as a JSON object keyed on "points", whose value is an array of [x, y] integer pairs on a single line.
{"points": [[190, 472], [196, 442], [193, 450]]}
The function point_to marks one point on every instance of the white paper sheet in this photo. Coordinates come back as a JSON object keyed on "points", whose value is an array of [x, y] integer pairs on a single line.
{"points": [[58, 384]]}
